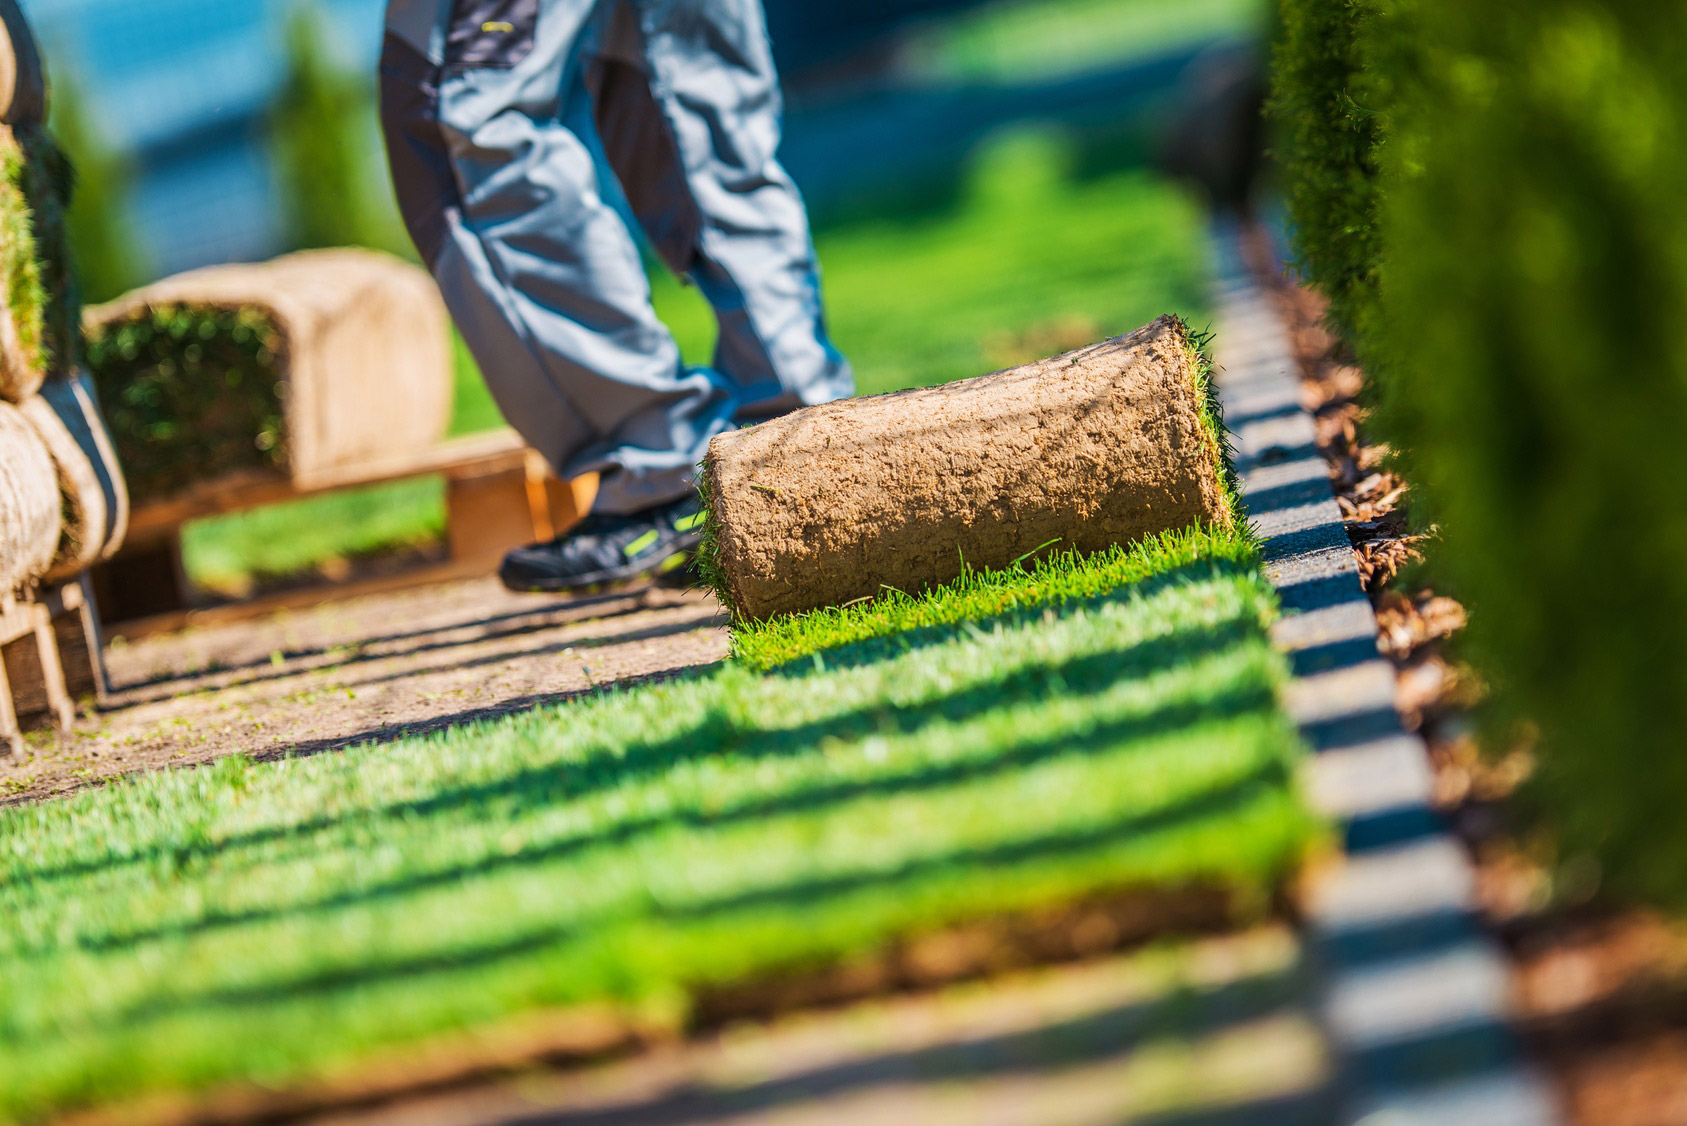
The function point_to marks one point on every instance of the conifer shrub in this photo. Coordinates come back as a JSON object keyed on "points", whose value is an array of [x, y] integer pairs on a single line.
{"points": [[100, 233], [1534, 285], [1326, 102]]}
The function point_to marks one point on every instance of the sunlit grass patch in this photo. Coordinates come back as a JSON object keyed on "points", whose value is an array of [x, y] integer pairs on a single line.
{"points": [[1055, 579]]}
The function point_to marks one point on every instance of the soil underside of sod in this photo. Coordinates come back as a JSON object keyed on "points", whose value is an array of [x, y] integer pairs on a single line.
{"points": [[658, 850]]}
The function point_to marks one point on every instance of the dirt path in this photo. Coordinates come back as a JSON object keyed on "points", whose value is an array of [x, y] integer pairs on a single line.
{"points": [[1216, 1033], [371, 669]]}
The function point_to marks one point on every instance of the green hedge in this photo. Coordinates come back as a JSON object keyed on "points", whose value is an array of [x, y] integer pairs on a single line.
{"points": [[1535, 288], [1495, 207], [1330, 142]]}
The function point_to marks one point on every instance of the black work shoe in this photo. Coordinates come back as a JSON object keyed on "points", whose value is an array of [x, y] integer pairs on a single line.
{"points": [[603, 550]]}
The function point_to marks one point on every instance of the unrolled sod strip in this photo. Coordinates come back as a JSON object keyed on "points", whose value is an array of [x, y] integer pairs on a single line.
{"points": [[94, 500], [29, 503], [1098, 447]]}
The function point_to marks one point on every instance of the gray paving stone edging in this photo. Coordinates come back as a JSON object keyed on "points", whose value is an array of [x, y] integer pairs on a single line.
{"points": [[1415, 995]]}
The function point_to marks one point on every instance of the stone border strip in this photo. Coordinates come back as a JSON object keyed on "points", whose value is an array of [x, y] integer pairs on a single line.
{"points": [[1415, 996]]}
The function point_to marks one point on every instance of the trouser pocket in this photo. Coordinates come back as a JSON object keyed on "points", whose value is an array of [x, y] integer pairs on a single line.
{"points": [[490, 34]]}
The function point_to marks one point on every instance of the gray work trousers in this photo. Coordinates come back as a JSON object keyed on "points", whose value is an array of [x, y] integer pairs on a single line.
{"points": [[489, 109]]}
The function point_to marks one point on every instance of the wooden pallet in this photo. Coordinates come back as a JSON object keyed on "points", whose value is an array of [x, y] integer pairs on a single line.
{"points": [[53, 656], [498, 495]]}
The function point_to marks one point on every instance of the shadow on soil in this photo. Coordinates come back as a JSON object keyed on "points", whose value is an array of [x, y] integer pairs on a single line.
{"points": [[289, 663]]}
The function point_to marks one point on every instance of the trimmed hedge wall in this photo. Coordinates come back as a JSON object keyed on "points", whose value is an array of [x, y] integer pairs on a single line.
{"points": [[1527, 260], [1330, 146], [1535, 290]]}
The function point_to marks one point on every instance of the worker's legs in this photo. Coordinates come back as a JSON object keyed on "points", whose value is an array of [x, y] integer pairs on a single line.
{"points": [[498, 188], [688, 106]]}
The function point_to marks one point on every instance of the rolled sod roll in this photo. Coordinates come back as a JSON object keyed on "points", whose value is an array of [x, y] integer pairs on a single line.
{"points": [[93, 500], [23, 80], [307, 366], [29, 503], [834, 503]]}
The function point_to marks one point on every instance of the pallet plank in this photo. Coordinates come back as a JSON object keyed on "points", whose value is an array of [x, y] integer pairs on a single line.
{"points": [[472, 455], [499, 495], [34, 674]]}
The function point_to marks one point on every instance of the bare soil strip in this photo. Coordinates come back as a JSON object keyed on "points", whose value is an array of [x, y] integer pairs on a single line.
{"points": [[367, 670]]}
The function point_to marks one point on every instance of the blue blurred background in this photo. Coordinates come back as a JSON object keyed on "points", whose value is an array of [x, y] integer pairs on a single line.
{"points": [[178, 94]]}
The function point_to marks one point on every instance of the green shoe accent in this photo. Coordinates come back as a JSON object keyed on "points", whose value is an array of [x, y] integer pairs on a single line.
{"points": [[673, 562], [642, 543], [687, 523]]}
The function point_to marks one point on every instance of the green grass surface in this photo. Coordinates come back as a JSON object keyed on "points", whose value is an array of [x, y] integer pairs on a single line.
{"points": [[1031, 261], [1055, 580], [230, 553], [273, 922], [1018, 41]]}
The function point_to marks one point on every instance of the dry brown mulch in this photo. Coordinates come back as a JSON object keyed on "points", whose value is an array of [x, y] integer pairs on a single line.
{"points": [[1601, 988]]}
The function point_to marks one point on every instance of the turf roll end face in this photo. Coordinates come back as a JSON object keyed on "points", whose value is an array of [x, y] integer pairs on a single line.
{"points": [[304, 366], [1098, 447]]}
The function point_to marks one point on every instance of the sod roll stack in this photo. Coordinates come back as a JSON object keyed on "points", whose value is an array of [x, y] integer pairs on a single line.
{"points": [[94, 502], [39, 314], [309, 366], [1101, 446], [30, 503]]}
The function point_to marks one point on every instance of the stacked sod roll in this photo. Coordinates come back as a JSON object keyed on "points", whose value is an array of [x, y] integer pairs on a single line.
{"points": [[836, 503], [300, 367], [30, 511], [94, 499], [63, 505]]}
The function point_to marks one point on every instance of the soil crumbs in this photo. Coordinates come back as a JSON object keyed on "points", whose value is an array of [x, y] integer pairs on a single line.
{"points": [[362, 671], [1601, 988]]}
